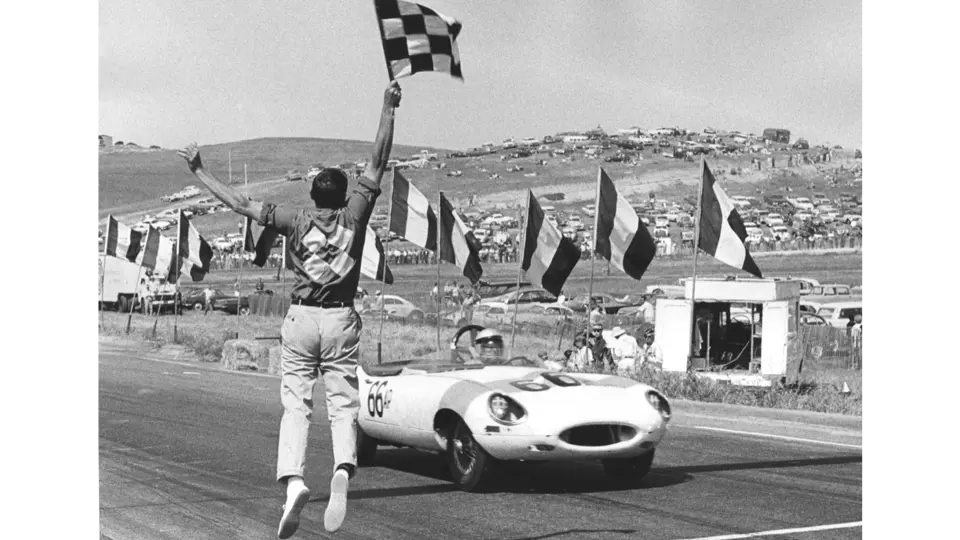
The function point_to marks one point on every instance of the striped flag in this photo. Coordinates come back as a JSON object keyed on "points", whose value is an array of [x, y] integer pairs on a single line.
{"points": [[122, 241], [722, 233], [457, 243], [158, 253], [262, 245], [411, 216], [548, 257], [195, 251], [621, 237], [373, 264]]}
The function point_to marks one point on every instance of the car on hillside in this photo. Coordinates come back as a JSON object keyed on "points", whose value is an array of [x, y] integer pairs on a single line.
{"points": [[525, 297], [782, 232], [478, 410], [501, 314], [773, 220]]}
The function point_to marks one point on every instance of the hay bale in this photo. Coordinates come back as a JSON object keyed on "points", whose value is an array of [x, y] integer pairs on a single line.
{"points": [[245, 354]]}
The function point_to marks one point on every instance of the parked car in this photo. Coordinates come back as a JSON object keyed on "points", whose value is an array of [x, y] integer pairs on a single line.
{"points": [[609, 304], [837, 314], [831, 289], [229, 304], [193, 298], [397, 308]]}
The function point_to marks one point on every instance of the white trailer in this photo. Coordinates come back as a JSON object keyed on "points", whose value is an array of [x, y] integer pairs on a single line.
{"points": [[117, 282]]}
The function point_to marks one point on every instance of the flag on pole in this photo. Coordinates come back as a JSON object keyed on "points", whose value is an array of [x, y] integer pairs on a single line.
{"points": [[373, 264], [416, 38], [195, 251], [722, 233], [548, 257], [158, 253], [122, 241], [411, 216], [458, 245], [262, 245], [621, 237]]}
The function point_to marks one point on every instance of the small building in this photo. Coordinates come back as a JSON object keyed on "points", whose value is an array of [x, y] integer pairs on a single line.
{"points": [[740, 325], [106, 141], [777, 135]]}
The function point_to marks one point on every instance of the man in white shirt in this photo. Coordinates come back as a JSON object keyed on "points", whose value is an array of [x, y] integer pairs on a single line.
{"points": [[647, 310], [650, 352], [625, 349]]}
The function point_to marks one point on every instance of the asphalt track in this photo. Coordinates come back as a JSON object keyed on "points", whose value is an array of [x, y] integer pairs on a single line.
{"points": [[188, 451]]}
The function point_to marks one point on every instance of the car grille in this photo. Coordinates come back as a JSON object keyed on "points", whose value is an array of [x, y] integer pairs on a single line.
{"points": [[598, 434]]}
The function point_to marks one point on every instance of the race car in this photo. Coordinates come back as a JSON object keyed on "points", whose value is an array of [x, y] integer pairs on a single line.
{"points": [[480, 408]]}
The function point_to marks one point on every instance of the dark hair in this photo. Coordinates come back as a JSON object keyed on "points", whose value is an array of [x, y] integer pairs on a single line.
{"points": [[329, 188]]}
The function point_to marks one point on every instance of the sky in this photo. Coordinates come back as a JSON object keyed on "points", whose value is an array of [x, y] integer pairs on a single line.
{"points": [[215, 71]]}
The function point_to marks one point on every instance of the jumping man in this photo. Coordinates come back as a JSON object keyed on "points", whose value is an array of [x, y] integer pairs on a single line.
{"points": [[321, 332]]}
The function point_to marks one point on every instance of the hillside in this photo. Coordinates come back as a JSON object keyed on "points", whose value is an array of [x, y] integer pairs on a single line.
{"points": [[130, 178], [132, 182]]}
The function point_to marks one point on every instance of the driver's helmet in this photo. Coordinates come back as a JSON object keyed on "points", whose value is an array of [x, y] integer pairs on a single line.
{"points": [[490, 343]]}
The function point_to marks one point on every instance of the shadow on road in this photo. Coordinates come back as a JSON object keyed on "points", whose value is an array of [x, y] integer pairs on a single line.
{"points": [[562, 477], [576, 533], [775, 464]]}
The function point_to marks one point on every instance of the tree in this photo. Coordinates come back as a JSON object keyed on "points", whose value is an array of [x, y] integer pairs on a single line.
{"points": [[118, 143]]}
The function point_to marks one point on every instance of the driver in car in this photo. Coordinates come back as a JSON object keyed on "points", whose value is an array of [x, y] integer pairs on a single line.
{"points": [[488, 347]]}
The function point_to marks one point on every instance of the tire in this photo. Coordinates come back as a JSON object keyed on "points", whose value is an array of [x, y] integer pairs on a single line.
{"points": [[470, 465], [629, 471], [415, 316], [198, 306], [123, 304], [244, 311], [366, 448]]}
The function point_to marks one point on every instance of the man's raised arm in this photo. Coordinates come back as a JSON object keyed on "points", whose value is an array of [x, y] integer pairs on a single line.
{"points": [[384, 141], [229, 195]]}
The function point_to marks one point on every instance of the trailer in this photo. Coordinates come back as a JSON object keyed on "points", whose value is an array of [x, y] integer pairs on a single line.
{"points": [[118, 282]]}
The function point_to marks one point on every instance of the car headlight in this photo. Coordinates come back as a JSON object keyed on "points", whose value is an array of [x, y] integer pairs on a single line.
{"points": [[659, 404], [505, 410]]}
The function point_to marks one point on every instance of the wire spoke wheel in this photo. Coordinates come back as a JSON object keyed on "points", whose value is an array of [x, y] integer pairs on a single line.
{"points": [[469, 463]]}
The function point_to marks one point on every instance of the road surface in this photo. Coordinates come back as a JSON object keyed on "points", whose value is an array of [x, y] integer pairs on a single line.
{"points": [[188, 451]]}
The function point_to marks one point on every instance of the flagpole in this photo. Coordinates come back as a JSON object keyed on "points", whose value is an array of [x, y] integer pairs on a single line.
{"points": [[240, 277], [229, 167], [176, 261], [383, 284], [516, 298], [132, 303], [593, 253], [696, 252], [439, 243], [103, 266]]}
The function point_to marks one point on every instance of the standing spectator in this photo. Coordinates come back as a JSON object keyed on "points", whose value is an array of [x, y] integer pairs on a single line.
{"points": [[259, 287], [582, 356], [598, 346], [647, 310], [650, 352], [624, 349], [207, 300], [146, 297]]}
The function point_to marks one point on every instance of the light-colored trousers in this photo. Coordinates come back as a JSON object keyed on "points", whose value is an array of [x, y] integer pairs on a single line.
{"points": [[324, 340]]}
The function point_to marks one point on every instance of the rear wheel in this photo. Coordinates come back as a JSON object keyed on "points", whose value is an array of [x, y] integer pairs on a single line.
{"points": [[366, 448], [629, 471], [244, 311], [470, 465], [198, 306], [416, 316]]}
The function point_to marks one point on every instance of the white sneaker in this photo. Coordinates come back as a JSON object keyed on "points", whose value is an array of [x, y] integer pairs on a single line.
{"points": [[337, 506], [290, 521]]}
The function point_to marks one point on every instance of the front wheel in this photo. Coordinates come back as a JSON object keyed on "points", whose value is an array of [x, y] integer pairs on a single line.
{"points": [[629, 471], [469, 463], [244, 311]]}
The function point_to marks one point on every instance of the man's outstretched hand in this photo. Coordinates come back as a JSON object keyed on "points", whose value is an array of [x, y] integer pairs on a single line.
{"points": [[391, 96], [192, 154]]}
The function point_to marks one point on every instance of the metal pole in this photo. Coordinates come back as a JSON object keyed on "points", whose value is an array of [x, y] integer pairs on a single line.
{"points": [[593, 253], [135, 295], [752, 330], [439, 243], [243, 233], [696, 252], [383, 284], [176, 260], [103, 268], [516, 298], [229, 167]]}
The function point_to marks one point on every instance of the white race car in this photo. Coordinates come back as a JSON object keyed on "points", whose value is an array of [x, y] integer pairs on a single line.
{"points": [[479, 409]]}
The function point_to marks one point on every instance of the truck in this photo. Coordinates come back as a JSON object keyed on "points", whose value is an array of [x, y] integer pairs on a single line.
{"points": [[777, 135], [118, 283]]}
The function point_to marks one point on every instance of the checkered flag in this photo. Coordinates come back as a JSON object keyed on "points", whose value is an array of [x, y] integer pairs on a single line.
{"points": [[416, 38]]}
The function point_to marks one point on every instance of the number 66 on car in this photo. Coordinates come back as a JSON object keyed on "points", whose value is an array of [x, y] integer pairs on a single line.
{"points": [[482, 413]]}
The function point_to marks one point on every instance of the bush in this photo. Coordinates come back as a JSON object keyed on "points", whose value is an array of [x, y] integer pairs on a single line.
{"points": [[118, 143]]}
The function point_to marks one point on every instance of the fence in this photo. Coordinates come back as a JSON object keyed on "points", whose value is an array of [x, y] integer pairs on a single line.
{"points": [[815, 348]]}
